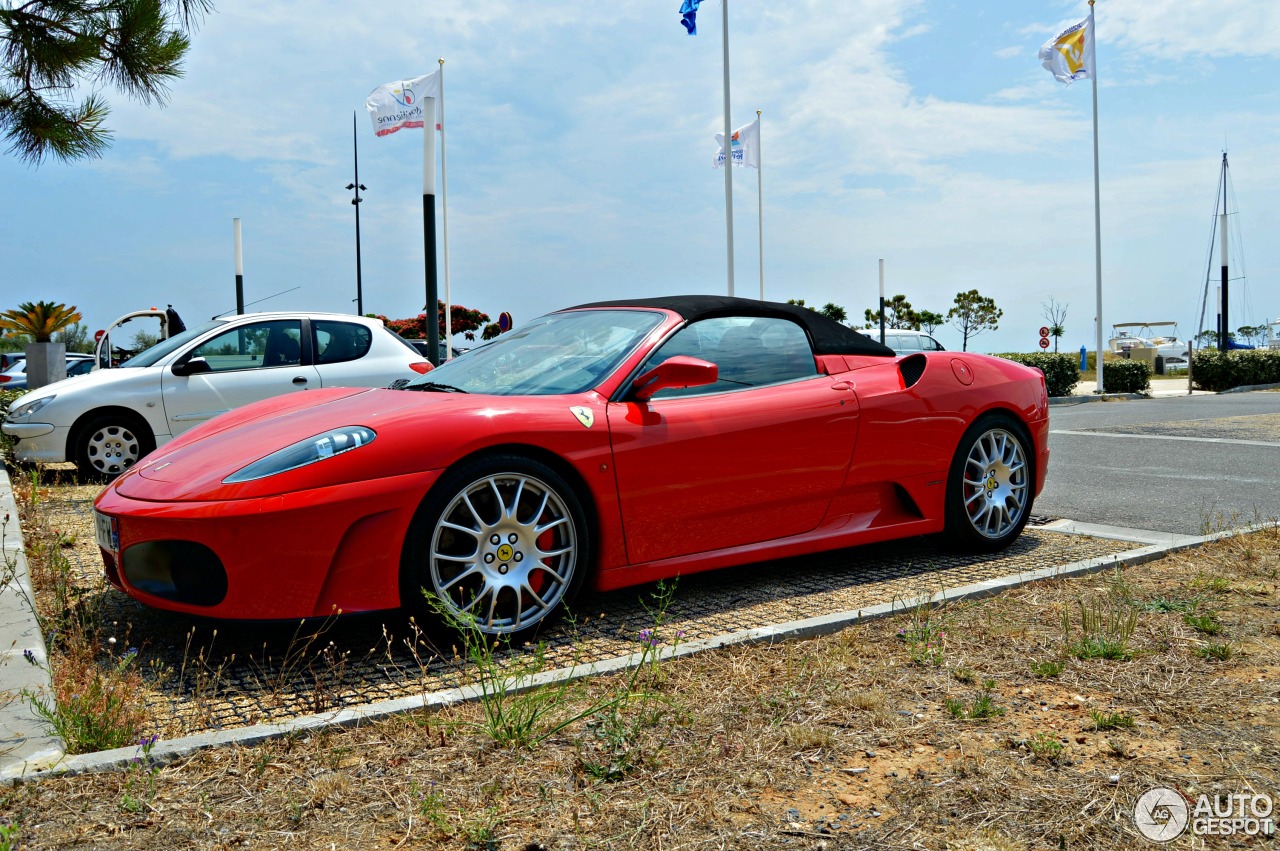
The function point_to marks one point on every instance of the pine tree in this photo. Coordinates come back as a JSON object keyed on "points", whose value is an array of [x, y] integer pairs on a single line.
{"points": [[48, 47]]}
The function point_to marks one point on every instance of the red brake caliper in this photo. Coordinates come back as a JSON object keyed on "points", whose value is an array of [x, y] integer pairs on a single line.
{"points": [[538, 579]]}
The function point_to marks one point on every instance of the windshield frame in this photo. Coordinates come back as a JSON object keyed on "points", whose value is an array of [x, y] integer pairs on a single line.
{"points": [[538, 359], [153, 355]]}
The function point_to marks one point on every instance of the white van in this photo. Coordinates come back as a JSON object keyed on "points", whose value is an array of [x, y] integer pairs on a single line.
{"points": [[905, 341]]}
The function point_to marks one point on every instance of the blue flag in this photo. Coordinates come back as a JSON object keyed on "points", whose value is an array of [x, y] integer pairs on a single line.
{"points": [[688, 13]]}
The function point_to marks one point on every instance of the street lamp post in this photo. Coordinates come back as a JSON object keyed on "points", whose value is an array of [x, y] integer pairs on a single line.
{"points": [[357, 186]]}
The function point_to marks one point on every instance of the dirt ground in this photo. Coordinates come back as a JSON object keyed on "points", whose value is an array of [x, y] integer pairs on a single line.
{"points": [[987, 725]]}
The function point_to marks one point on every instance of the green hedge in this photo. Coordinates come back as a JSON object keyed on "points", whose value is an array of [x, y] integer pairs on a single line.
{"points": [[1061, 370], [1126, 376], [7, 398], [1215, 370]]}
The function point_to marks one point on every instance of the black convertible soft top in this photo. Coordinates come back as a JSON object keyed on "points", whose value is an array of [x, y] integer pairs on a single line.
{"points": [[828, 336]]}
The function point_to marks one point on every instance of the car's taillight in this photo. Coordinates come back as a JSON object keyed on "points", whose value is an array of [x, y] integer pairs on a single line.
{"points": [[4, 378], [422, 367]]}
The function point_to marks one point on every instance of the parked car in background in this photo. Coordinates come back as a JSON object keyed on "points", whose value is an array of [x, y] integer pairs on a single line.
{"points": [[15, 377], [106, 420], [904, 341], [424, 348], [8, 359], [606, 445]]}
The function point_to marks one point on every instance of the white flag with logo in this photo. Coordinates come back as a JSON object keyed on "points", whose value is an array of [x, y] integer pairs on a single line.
{"points": [[399, 104], [745, 146], [1068, 56]]}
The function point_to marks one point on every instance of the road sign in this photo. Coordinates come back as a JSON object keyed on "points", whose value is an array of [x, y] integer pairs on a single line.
{"points": [[504, 322], [1044, 330], [97, 335], [1044, 342]]}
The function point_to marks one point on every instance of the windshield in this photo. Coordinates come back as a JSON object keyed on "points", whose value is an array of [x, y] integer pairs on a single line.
{"points": [[569, 352], [151, 356]]}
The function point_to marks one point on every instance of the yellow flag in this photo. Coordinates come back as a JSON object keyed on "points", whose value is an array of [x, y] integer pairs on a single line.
{"points": [[1068, 56]]}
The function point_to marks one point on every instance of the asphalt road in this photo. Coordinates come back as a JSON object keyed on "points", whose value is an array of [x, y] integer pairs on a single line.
{"points": [[1184, 464]]}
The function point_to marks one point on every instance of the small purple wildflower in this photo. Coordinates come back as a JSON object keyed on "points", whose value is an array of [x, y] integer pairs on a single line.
{"points": [[29, 656]]}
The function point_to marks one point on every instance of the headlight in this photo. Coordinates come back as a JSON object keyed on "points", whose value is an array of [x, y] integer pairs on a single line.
{"points": [[26, 409], [304, 452]]}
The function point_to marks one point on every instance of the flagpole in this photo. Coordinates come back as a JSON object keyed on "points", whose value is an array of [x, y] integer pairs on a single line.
{"points": [[760, 198], [432, 306], [1097, 202], [444, 224], [728, 146]]}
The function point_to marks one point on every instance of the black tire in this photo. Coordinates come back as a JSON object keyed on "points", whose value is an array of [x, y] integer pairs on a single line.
{"points": [[501, 543], [111, 443], [991, 484]]}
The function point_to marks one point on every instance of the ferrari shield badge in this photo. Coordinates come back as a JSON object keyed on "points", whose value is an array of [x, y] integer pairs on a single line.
{"points": [[584, 415]]}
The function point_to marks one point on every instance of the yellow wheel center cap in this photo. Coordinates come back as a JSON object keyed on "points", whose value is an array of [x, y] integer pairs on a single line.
{"points": [[992, 484], [505, 552]]}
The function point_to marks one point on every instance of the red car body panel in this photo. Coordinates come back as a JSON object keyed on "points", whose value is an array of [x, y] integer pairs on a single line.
{"points": [[672, 486]]}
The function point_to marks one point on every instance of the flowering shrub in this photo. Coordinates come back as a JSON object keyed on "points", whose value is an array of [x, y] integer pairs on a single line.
{"points": [[463, 320]]}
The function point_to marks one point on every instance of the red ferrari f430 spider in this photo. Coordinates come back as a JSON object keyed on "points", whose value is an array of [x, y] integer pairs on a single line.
{"points": [[608, 444]]}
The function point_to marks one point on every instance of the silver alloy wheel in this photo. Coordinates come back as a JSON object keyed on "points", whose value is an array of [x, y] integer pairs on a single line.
{"points": [[995, 483], [112, 449], [503, 553]]}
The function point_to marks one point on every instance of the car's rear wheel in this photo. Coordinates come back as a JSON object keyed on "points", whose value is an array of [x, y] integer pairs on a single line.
{"points": [[500, 545], [990, 487], [109, 444]]}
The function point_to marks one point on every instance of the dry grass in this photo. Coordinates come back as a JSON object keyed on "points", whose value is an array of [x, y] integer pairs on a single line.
{"points": [[838, 742]]}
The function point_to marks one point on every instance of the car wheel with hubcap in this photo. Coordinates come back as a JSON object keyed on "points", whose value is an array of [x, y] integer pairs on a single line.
{"points": [[990, 487], [110, 444], [500, 545]]}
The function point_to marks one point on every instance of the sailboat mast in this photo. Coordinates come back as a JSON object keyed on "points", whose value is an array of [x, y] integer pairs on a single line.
{"points": [[1224, 333]]}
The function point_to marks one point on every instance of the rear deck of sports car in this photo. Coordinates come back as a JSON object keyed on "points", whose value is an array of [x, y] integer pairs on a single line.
{"points": [[203, 676]]}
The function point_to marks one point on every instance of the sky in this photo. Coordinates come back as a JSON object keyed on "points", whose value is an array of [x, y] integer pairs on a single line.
{"points": [[579, 144]]}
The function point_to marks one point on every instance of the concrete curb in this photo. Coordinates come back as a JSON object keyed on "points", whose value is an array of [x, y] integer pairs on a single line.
{"points": [[1249, 388], [24, 738], [169, 751]]}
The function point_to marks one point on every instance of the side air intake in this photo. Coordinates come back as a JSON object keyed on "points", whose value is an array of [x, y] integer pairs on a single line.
{"points": [[911, 369]]}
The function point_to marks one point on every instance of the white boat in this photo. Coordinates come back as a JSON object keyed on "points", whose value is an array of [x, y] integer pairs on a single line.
{"points": [[1161, 336]]}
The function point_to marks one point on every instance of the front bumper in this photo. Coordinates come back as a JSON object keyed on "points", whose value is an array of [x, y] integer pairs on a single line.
{"points": [[303, 554], [37, 442]]}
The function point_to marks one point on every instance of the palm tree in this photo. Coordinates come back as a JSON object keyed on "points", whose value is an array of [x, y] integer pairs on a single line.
{"points": [[39, 320]]}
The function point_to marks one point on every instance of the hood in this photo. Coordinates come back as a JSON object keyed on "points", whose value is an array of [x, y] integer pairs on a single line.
{"points": [[407, 425], [94, 382]]}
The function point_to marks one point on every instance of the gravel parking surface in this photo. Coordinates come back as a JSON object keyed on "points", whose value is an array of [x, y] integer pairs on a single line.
{"points": [[209, 676]]}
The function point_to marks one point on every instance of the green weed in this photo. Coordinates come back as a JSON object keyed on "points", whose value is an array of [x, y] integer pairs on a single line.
{"points": [[1050, 668], [983, 705], [1109, 720], [1106, 628], [1045, 746], [1206, 623], [1216, 652]]}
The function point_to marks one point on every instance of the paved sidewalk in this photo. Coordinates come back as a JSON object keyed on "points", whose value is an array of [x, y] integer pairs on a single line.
{"points": [[25, 743], [1087, 391]]}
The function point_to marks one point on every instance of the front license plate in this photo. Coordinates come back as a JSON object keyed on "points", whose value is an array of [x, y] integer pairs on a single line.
{"points": [[108, 531]]}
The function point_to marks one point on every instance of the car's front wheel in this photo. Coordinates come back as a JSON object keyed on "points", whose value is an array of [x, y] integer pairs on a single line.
{"points": [[501, 545], [990, 488], [109, 444]]}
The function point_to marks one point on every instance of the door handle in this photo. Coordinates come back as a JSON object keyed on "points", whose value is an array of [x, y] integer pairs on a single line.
{"points": [[842, 385], [300, 380]]}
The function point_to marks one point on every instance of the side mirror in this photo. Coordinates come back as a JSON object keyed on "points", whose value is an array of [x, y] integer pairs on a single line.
{"points": [[679, 371], [195, 366]]}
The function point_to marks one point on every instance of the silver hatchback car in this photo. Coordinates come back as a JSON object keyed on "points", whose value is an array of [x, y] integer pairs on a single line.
{"points": [[106, 420]]}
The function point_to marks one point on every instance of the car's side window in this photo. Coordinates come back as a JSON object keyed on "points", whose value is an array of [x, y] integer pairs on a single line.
{"points": [[931, 345], [748, 351], [261, 344], [340, 341]]}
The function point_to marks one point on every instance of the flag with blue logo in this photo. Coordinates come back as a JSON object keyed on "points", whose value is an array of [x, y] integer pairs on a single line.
{"points": [[689, 14], [744, 145]]}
